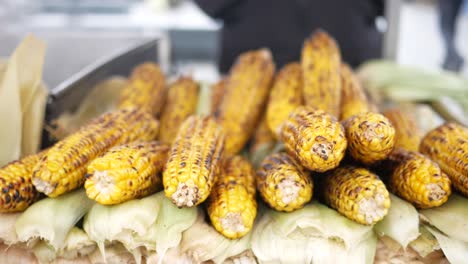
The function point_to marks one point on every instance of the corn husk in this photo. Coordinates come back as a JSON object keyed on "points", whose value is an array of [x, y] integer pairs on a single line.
{"points": [[7, 228], [313, 234], [51, 219], [450, 218], [201, 242], [401, 223], [152, 223], [22, 101]]}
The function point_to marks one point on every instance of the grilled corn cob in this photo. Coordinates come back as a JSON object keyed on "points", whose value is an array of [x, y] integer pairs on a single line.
{"points": [[262, 142], [371, 137], [283, 183], [16, 189], [126, 172], [146, 89], [448, 146], [246, 92], [181, 102], [320, 60], [217, 95], [417, 179], [356, 193], [353, 98], [63, 167], [194, 161], [407, 133], [285, 97], [231, 205], [314, 138]]}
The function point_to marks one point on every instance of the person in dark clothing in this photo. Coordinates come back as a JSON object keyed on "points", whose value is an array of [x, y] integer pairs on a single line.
{"points": [[283, 25], [448, 14]]}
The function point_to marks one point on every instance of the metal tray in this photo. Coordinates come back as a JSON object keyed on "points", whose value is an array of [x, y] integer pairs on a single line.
{"points": [[68, 95]]}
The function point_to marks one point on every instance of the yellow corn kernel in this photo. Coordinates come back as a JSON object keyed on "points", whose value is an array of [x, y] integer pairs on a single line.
{"points": [[353, 98], [16, 189], [448, 146], [217, 95], [320, 60], [314, 138], [246, 92], [417, 179], [371, 137], [262, 142], [181, 103], [357, 194], [194, 161], [407, 133], [231, 205], [283, 183], [285, 96], [63, 167], [126, 172], [146, 89]]}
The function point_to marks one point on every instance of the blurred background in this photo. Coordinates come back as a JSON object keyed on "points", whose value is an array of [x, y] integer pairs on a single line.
{"points": [[79, 32]]}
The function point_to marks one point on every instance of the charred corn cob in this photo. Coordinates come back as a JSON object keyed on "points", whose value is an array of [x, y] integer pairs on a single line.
{"points": [[407, 133], [63, 167], [231, 205], [283, 183], [126, 172], [246, 92], [320, 60], [314, 138], [217, 95], [371, 137], [357, 194], [181, 102], [285, 97], [448, 146], [17, 191], [146, 89], [417, 179], [262, 142], [353, 98], [194, 161]]}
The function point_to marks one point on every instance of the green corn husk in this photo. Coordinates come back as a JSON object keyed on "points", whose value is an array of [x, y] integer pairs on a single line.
{"points": [[313, 234], [401, 223], [201, 242], [51, 219], [152, 223]]}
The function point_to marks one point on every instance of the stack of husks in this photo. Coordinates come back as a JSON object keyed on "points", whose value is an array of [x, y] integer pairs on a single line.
{"points": [[309, 131]]}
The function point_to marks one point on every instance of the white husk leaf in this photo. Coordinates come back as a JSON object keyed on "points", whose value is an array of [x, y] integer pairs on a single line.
{"points": [[450, 218], [314, 234], [7, 228], [201, 242], [51, 219], [425, 244], [401, 223], [455, 250], [121, 222]]}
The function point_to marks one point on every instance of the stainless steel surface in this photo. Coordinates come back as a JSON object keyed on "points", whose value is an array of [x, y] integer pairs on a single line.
{"points": [[69, 52], [68, 94]]}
